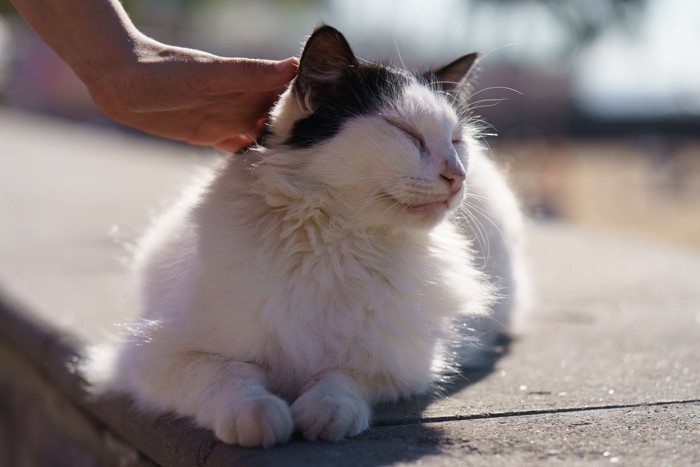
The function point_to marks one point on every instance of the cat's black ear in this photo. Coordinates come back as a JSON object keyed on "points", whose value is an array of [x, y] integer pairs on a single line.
{"points": [[453, 75], [326, 59]]}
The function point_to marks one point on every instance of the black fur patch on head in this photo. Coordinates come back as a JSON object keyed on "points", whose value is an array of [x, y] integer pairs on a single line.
{"points": [[333, 85], [362, 91]]}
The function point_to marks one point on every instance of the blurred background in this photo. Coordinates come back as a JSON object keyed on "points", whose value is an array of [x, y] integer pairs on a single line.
{"points": [[594, 104]]}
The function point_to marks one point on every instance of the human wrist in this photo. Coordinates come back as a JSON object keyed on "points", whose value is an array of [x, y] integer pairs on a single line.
{"points": [[92, 63]]}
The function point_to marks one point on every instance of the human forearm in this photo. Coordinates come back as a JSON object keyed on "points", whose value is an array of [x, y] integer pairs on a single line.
{"points": [[90, 35]]}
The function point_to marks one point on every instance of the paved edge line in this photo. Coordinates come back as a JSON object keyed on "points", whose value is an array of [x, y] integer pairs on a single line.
{"points": [[528, 413]]}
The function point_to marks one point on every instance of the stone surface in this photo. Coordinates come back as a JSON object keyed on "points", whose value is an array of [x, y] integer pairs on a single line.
{"points": [[605, 368], [616, 321], [72, 200], [643, 435]]}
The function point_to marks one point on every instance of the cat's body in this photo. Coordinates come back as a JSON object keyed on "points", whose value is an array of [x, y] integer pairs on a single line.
{"points": [[302, 281]]}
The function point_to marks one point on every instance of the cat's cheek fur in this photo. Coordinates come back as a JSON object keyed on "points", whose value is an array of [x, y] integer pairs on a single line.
{"points": [[372, 187]]}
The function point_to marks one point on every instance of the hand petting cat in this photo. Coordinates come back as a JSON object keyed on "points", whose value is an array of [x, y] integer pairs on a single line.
{"points": [[192, 96], [174, 92]]}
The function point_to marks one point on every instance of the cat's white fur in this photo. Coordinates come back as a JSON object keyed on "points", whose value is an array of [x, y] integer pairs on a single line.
{"points": [[294, 288]]}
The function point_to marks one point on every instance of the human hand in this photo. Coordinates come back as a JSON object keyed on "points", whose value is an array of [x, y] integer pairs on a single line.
{"points": [[189, 95]]}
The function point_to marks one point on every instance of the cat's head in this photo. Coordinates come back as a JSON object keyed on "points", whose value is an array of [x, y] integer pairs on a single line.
{"points": [[390, 147]]}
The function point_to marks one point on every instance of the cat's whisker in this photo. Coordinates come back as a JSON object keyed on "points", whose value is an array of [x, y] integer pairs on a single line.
{"points": [[480, 233], [496, 88], [398, 53], [486, 103], [497, 49], [483, 213]]}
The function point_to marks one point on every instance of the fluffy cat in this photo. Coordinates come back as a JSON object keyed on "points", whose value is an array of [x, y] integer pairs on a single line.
{"points": [[326, 268]]}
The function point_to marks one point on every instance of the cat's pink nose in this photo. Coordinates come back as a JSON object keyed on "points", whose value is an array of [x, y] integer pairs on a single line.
{"points": [[454, 175]]}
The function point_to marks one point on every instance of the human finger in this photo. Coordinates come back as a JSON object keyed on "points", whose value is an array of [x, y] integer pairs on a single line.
{"points": [[248, 75]]}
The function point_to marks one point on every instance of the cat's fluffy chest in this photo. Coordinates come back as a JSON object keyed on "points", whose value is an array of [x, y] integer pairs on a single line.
{"points": [[315, 296]]}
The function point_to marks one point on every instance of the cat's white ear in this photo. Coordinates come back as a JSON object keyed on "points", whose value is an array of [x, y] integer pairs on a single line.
{"points": [[453, 76], [326, 59]]}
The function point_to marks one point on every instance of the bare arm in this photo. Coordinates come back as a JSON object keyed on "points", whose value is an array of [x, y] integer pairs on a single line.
{"points": [[179, 93]]}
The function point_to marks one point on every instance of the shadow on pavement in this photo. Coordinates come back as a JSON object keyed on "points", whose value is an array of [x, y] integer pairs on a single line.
{"points": [[400, 432]]}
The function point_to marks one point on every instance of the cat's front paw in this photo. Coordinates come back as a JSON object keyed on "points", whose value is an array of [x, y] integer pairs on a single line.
{"points": [[260, 421], [321, 415]]}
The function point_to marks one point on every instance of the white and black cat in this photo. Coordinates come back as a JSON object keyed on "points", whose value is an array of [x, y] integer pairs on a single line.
{"points": [[325, 269]]}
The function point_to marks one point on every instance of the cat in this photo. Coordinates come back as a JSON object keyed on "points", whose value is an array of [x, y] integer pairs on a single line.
{"points": [[329, 267]]}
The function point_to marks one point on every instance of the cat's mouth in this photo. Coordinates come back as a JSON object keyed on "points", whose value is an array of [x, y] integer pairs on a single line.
{"points": [[429, 207], [434, 206]]}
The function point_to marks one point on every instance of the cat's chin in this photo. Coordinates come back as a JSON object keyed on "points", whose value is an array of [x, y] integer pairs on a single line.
{"points": [[435, 210], [429, 208], [424, 215], [428, 214]]}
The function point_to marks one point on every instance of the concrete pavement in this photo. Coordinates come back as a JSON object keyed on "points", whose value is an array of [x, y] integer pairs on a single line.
{"points": [[605, 369]]}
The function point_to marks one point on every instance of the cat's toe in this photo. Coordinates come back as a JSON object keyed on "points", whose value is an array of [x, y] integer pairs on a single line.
{"points": [[262, 421], [329, 417]]}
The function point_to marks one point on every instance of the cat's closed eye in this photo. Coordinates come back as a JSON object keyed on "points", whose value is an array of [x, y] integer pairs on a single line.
{"points": [[412, 134]]}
